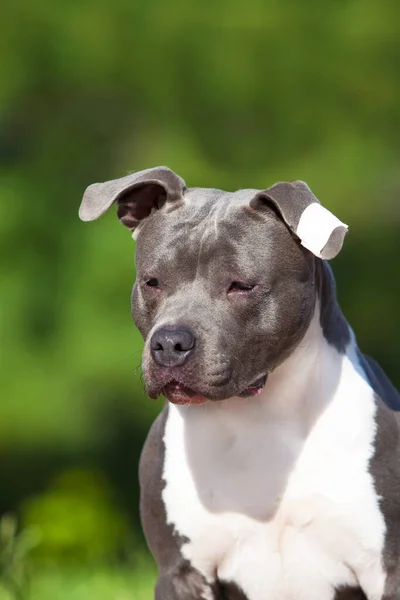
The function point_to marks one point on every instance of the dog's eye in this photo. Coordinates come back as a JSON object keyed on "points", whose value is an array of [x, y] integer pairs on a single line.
{"points": [[238, 286], [152, 282]]}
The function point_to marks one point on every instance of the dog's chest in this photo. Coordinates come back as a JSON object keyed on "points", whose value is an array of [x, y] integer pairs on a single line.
{"points": [[282, 516]]}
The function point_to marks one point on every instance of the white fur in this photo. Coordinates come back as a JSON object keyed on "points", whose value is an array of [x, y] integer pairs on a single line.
{"points": [[273, 492], [316, 226]]}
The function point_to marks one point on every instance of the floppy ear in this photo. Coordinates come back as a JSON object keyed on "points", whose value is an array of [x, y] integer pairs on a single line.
{"points": [[137, 195], [316, 227]]}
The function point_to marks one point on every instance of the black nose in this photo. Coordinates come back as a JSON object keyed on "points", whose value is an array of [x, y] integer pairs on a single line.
{"points": [[171, 347]]}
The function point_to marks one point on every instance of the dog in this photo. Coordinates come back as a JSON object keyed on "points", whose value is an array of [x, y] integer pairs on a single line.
{"points": [[273, 471]]}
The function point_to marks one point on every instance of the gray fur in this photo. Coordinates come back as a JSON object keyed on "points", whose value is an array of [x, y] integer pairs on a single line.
{"points": [[349, 593], [385, 467], [177, 579], [98, 197]]}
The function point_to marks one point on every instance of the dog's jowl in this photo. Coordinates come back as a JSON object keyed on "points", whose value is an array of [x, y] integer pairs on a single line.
{"points": [[273, 471]]}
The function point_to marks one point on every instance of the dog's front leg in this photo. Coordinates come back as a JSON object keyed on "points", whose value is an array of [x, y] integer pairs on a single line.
{"points": [[177, 580]]}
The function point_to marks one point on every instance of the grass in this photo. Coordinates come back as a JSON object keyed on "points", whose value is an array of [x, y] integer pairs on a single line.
{"points": [[87, 585], [26, 577]]}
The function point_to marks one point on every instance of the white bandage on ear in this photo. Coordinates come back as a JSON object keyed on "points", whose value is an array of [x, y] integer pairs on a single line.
{"points": [[320, 231]]}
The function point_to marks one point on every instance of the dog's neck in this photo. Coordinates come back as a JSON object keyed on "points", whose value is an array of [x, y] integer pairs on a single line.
{"points": [[307, 380], [267, 432], [334, 326]]}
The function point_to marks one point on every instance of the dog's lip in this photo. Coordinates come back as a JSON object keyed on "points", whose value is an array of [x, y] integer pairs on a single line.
{"points": [[255, 388], [177, 393]]}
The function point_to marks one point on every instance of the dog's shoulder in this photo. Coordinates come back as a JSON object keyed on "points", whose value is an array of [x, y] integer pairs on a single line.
{"points": [[385, 462]]}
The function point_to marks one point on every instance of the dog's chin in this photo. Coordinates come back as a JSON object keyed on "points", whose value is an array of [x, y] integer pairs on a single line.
{"points": [[178, 393]]}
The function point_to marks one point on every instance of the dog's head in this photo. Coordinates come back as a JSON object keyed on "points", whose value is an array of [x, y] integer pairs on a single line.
{"points": [[226, 282]]}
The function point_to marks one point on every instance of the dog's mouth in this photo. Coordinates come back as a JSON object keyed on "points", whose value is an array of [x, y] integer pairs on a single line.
{"points": [[255, 388], [177, 393]]}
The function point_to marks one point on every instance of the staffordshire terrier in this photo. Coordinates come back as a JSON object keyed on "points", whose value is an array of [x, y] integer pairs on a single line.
{"points": [[273, 472]]}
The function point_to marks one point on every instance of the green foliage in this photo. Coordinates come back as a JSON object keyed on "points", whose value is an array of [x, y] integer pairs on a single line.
{"points": [[229, 95], [85, 584], [15, 549], [77, 520]]}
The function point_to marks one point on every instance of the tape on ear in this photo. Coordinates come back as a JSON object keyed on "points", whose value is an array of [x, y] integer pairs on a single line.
{"points": [[321, 232]]}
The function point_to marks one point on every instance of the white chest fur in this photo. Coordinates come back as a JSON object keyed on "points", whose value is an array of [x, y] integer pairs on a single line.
{"points": [[274, 493]]}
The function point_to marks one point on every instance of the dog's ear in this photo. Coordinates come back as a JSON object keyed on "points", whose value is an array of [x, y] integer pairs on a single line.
{"points": [[137, 195], [317, 229]]}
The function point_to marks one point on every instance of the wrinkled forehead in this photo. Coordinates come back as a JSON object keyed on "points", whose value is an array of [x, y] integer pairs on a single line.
{"points": [[209, 224]]}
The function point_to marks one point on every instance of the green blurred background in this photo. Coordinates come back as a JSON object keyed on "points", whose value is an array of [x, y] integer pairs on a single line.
{"points": [[228, 94]]}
